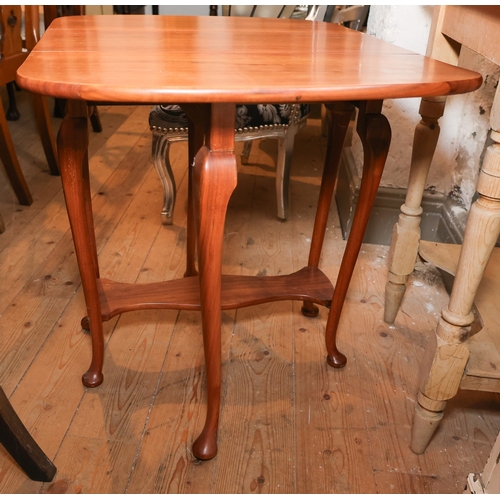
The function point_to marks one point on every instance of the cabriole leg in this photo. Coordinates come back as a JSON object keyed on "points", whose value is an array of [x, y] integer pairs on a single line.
{"points": [[341, 113], [283, 171], [73, 161], [214, 180], [161, 161], [196, 138], [375, 134]]}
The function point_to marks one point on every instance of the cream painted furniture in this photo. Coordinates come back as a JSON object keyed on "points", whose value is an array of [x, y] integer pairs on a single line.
{"points": [[489, 480], [449, 355]]}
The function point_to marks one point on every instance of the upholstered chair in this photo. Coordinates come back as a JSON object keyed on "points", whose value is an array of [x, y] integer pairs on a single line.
{"points": [[281, 121]]}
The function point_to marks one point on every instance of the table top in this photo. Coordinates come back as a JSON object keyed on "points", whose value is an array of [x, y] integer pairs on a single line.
{"points": [[178, 59]]}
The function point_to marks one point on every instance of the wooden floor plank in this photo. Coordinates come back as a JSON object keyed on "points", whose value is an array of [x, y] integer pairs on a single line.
{"points": [[58, 275], [20, 260], [42, 185], [165, 463], [387, 409], [258, 405], [116, 410], [51, 390], [28, 249], [330, 426]]}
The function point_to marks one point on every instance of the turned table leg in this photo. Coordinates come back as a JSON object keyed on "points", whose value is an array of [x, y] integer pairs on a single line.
{"points": [[446, 354], [73, 161], [214, 180], [406, 232]]}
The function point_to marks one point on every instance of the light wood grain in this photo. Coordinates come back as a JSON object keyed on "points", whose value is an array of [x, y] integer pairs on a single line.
{"points": [[474, 26], [445, 360], [484, 346], [406, 232]]}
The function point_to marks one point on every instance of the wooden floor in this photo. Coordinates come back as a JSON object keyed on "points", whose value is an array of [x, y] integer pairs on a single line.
{"points": [[289, 423]]}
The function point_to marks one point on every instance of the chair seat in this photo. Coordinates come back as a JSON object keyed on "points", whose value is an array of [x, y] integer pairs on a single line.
{"points": [[248, 116]]}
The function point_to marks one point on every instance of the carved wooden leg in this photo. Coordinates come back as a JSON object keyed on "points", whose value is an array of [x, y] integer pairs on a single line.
{"points": [[22, 447], [72, 145], [45, 131], [447, 353], [11, 163], [375, 133], [161, 161], [406, 232], [283, 171], [245, 154], [342, 113], [214, 180], [88, 212]]}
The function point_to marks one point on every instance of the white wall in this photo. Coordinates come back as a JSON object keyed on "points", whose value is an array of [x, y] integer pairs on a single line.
{"points": [[464, 126]]}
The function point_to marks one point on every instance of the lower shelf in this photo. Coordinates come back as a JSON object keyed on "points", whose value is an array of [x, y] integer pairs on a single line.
{"points": [[309, 283]]}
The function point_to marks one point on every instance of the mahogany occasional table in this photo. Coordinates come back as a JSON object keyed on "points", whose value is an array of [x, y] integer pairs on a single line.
{"points": [[208, 64]]}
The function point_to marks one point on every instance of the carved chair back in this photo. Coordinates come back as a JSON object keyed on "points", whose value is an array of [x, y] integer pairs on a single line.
{"points": [[19, 32]]}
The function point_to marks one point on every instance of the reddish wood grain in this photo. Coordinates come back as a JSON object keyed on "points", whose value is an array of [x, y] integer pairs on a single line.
{"points": [[237, 291], [227, 59], [108, 59]]}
